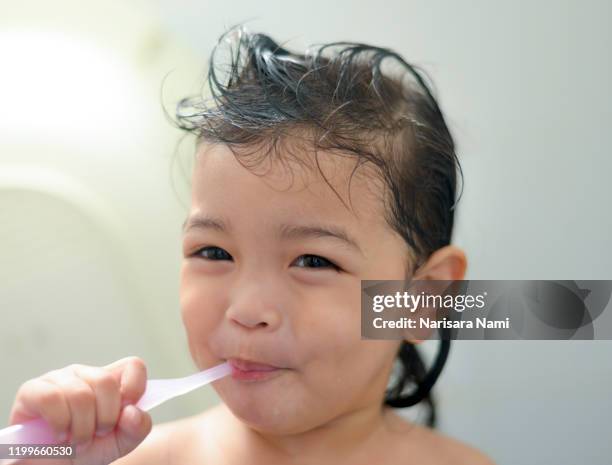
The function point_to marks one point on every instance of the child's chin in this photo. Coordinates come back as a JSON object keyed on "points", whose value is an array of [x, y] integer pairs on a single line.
{"points": [[271, 425], [266, 416]]}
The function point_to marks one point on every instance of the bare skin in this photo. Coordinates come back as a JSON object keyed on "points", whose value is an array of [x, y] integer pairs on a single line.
{"points": [[272, 274], [217, 437], [255, 300]]}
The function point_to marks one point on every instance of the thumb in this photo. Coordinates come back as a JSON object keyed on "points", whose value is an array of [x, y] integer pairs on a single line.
{"points": [[132, 428]]}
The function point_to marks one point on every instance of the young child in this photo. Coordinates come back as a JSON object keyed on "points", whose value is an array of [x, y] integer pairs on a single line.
{"points": [[313, 172]]}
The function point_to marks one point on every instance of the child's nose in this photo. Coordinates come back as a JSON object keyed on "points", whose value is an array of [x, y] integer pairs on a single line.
{"points": [[254, 315], [252, 318]]}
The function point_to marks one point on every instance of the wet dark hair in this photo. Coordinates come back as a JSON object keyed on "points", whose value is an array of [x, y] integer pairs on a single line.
{"points": [[273, 100]]}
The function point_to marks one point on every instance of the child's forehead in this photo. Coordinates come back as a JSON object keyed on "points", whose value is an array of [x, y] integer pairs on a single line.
{"points": [[324, 179], [261, 205]]}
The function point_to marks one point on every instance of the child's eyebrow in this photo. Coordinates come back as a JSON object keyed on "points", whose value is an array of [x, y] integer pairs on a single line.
{"points": [[285, 231]]}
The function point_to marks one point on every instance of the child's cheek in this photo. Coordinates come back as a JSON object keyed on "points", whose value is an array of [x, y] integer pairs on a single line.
{"points": [[329, 329], [337, 313], [200, 315]]}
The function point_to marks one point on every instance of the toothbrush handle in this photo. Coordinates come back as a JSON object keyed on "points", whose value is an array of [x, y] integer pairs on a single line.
{"points": [[36, 431]]}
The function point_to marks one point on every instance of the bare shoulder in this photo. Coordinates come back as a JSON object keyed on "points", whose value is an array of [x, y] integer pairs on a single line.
{"points": [[167, 443], [434, 447], [450, 450]]}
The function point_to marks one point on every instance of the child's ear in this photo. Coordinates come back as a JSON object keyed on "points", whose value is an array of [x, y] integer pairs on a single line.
{"points": [[445, 264]]}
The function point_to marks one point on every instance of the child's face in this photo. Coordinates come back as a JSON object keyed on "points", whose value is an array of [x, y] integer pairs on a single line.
{"points": [[258, 297]]}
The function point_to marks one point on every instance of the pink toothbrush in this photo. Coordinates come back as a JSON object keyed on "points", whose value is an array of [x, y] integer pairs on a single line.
{"points": [[157, 392]]}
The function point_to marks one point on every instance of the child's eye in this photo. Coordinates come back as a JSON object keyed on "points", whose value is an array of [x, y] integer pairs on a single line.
{"points": [[315, 261], [308, 261], [212, 253]]}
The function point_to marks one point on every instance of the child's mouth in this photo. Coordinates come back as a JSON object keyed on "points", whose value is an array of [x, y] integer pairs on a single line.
{"points": [[247, 370]]}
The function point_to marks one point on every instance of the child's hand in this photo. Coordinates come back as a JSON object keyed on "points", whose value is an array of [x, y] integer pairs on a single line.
{"points": [[88, 405]]}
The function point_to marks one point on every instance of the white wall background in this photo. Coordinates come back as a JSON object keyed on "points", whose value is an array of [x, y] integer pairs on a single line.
{"points": [[526, 90]]}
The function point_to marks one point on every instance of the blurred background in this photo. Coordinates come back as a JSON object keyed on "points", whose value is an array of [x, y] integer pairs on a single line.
{"points": [[94, 187]]}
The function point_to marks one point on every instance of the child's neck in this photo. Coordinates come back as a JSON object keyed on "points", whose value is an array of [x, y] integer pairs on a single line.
{"points": [[355, 434]]}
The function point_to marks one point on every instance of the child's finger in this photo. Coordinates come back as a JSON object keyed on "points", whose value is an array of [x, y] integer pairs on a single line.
{"points": [[117, 367], [133, 379], [82, 404], [133, 427], [108, 397], [41, 398]]}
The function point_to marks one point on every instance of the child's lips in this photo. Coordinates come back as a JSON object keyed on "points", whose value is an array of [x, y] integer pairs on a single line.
{"points": [[249, 370]]}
